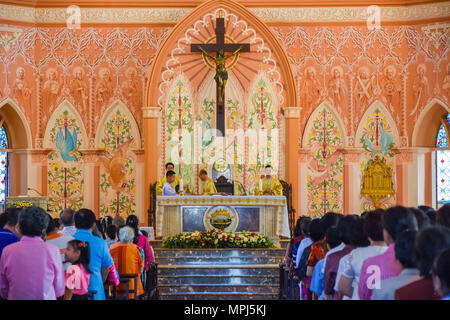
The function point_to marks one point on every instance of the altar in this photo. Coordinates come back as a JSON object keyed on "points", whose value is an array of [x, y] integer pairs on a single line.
{"points": [[266, 215]]}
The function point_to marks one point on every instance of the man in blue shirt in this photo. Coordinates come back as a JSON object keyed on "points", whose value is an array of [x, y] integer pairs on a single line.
{"points": [[100, 256], [9, 224]]}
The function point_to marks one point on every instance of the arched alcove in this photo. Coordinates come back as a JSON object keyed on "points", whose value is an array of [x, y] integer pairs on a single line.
{"points": [[170, 47], [20, 141], [114, 107], [16, 125], [428, 123], [374, 106], [312, 117], [71, 111]]}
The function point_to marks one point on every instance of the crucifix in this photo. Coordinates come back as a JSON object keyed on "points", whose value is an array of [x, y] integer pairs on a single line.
{"points": [[220, 47]]}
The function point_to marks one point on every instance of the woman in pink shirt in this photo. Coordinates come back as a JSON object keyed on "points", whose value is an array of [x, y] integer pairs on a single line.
{"points": [[31, 269], [78, 274], [140, 240]]}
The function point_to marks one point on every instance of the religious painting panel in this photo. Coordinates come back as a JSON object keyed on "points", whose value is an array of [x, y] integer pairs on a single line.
{"points": [[376, 135], [263, 125], [118, 136], [179, 130], [325, 165], [65, 134]]}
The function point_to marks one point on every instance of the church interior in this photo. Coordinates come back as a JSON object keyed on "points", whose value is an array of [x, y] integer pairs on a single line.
{"points": [[346, 102]]}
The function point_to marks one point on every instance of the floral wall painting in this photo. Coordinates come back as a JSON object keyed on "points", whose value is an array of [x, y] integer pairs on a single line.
{"points": [[324, 138], [65, 134], [117, 135], [377, 135]]}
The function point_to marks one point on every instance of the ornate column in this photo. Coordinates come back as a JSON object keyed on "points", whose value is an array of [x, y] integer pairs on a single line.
{"points": [[352, 180], [91, 174], [303, 156], [292, 115], [151, 117], [410, 168]]}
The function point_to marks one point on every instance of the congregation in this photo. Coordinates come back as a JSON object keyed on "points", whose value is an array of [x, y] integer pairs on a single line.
{"points": [[394, 254], [75, 257]]}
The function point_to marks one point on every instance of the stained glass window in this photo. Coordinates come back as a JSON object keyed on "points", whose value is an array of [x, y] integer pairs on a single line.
{"points": [[3, 166], [443, 166]]}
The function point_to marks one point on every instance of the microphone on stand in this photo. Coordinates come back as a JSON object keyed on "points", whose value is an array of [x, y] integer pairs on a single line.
{"points": [[32, 189]]}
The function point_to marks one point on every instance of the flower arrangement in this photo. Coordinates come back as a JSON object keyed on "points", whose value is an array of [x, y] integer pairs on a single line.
{"points": [[217, 239], [21, 204]]}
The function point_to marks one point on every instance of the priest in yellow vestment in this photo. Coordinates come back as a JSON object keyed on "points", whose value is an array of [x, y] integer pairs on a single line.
{"points": [[160, 184], [269, 185], [208, 184]]}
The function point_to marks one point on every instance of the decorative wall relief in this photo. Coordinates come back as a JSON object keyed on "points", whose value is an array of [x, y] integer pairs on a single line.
{"points": [[65, 177], [263, 119], [325, 174], [179, 116], [118, 171], [376, 136]]}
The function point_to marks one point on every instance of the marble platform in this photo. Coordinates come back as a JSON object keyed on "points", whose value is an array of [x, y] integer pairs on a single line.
{"points": [[218, 274]]}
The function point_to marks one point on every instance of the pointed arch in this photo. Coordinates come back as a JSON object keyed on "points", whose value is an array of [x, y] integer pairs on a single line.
{"points": [[377, 104], [428, 123], [63, 106], [118, 105], [16, 125], [312, 117], [280, 58]]}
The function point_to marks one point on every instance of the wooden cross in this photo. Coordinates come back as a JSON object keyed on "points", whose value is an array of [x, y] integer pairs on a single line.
{"points": [[215, 47]]}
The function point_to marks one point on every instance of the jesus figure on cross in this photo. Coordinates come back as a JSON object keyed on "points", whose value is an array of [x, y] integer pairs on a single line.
{"points": [[221, 76]]}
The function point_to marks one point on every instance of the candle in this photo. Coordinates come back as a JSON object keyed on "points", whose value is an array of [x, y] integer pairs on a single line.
{"points": [[181, 184], [260, 185]]}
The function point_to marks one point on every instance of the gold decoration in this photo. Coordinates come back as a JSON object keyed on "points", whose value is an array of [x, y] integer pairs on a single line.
{"points": [[221, 165], [377, 183]]}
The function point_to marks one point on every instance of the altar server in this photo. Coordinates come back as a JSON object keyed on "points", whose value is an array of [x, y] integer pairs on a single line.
{"points": [[160, 184], [209, 187], [268, 185], [168, 190]]}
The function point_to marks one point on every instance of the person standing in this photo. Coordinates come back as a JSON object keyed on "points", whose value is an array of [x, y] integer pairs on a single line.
{"points": [[270, 185], [31, 269], [57, 238], [161, 182], [98, 251], [168, 190], [67, 220], [9, 231], [209, 188]]}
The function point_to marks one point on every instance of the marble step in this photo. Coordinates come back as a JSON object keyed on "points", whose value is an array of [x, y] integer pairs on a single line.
{"points": [[219, 252], [218, 296], [214, 270], [156, 243], [218, 288], [199, 260], [218, 279]]}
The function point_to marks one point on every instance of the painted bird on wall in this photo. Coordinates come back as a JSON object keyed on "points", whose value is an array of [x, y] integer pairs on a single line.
{"points": [[385, 142], [66, 143]]}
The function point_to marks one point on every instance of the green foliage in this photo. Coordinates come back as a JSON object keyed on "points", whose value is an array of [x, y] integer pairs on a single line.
{"points": [[217, 239]]}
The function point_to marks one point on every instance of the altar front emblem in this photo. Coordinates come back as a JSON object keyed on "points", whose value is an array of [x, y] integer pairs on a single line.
{"points": [[219, 217]]}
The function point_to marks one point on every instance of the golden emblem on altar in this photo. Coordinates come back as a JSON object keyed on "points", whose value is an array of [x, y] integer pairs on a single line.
{"points": [[221, 165], [219, 217], [377, 181]]}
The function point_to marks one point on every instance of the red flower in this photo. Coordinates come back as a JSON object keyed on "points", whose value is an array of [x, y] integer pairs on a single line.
{"points": [[222, 228], [237, 238], [252, 234], [201, 240], [223, 237], [194, 237]]}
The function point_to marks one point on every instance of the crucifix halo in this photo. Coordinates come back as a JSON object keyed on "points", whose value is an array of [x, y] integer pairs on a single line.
{"points": [[230, 63]]}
